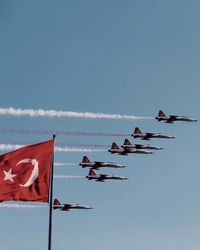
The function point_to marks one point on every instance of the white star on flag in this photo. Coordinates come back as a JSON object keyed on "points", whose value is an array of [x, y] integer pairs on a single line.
{"points": [[8, 175]]}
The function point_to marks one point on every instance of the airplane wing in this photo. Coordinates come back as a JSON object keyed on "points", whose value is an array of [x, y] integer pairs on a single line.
{"points": [[148, 136], [139, 146], [125, 151], [66, 207], [100, 180], [172, 118], [102, 177], [98, 163]]}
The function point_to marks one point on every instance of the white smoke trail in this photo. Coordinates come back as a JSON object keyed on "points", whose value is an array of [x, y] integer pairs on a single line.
{"points": [[51, 132], [68, 149], [65, 164], [56, 149], [68, 176], [19, 206], [67, 114]]}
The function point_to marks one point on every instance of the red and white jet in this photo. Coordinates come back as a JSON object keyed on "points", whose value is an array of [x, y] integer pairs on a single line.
{"points": [[148, 135], [98, 164], [115, 149], [102, 177], [127, 144], [173, 118], [67, 207]]}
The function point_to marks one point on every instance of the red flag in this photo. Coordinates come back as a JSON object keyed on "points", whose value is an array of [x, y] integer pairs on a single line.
{"points": [[25, 173]]}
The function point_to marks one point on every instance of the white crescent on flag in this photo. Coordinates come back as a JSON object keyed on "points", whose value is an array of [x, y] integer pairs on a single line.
{"points": [[34, 174]]}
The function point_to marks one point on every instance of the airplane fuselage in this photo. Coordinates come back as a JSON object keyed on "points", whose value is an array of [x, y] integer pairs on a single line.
{"points": [[77, 206], [140, 146], [152, 135], [127, 151], [88, 164], [102, 178], [175, 119], [66, 207], [141, 136], [97, 165], [110, 165], [117, 151]]}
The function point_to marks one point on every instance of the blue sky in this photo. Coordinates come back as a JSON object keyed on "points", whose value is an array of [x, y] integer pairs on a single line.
{"points": [[116, 57]]}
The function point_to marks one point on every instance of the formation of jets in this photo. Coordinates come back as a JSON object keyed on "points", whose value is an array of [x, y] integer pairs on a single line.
{"points": [[173, 118], [126, 148]]}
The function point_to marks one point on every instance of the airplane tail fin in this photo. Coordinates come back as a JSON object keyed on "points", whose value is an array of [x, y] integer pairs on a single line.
{"points": [[85, 159], [161, 114], [137, 131], [127, 142], [114, 146], [56, 202], [91, 172]]}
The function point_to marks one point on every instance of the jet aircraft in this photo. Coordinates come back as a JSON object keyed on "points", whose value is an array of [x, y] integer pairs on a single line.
{"points": [[67, 207], [98, 164], [148, 135], [102, 177], [172, 118], [115, 149], [128, 145]]}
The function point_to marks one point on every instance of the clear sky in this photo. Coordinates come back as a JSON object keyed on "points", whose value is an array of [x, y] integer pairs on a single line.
{"points": [[130, 57]]}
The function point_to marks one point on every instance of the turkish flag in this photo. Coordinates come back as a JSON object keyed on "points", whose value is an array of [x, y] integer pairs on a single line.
{"points": [[25, 173]]}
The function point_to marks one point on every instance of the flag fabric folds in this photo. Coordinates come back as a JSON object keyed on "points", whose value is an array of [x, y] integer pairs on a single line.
{"points": [[25, 173]]}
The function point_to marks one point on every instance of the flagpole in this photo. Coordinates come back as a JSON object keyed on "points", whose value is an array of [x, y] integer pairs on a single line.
{"points": [[51, 201]]}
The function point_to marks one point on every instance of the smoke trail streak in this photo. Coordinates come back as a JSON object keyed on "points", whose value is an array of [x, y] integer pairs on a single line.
{"points": [[68, 114], [68, 145], [19, 206], [68, 149], [56, 149], [75, 145], [68, 176], [64, 133], [81, 133], [59, 164]]}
